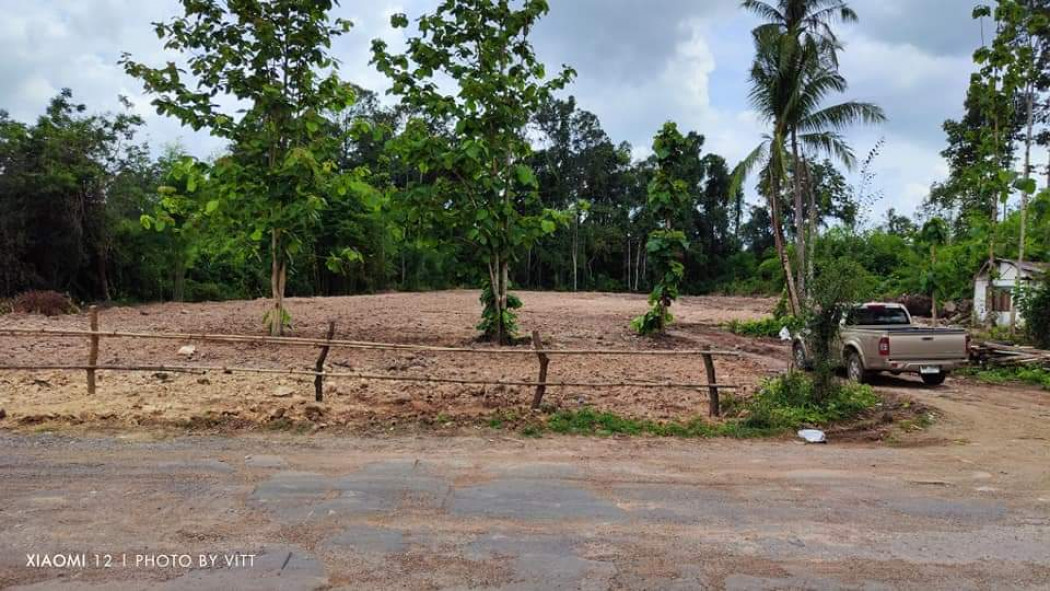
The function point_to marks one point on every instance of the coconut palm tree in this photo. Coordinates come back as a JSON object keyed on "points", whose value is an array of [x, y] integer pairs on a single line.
{"points": [[794, 72]]}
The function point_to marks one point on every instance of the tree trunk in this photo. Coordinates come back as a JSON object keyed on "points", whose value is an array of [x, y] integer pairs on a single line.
{"points": [[1024, 199], [575, 251], [779, 242], [813, 232], [278, 277], [800, 223], [933, 291], [179, 283]]}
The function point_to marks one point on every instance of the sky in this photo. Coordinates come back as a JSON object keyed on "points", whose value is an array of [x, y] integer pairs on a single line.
{"points": [[639, 63]]}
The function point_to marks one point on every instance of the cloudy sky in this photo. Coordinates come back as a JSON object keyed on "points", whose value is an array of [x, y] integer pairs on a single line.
{"points": [[640, 62]]}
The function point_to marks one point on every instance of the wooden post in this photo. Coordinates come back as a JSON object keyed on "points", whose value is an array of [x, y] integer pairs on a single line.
{"points": [[541, 382], [93, 352], [319, 377], [714, 407]]}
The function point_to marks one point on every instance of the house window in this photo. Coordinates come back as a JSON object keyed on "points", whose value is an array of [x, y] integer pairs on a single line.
{"points": [[1001, 300]]}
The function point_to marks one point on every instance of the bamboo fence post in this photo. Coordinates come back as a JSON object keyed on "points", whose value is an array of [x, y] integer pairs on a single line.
{"points": [[714, 406], [319, 378], [93, 352], [541, 382]]}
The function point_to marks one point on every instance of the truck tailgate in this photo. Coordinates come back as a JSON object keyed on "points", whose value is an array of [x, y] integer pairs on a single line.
{"points": [[931, 345]]}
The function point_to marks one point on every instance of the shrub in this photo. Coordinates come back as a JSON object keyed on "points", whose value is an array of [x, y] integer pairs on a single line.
{"points": [[791, 401], [1035, 307], [48, 303], [489, 325], [766, 327]]}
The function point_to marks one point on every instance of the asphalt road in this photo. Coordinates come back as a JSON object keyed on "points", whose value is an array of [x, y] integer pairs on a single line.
{"points": [[493, 512]]}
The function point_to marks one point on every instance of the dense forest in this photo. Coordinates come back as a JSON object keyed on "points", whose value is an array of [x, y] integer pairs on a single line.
{"points": [[496, 177]]}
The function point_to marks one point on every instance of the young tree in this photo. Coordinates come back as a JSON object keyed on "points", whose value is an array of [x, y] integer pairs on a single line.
{"points": [[666, 247], [934, 233], [480, 182], [274, 58]]}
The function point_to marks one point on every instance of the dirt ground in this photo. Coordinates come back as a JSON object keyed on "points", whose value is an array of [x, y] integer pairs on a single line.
{"points": [[584, 320], [962, 504]]}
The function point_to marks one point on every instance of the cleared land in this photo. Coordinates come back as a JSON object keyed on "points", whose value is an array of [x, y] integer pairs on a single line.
{"points": [[587, 320], [964, 504]]}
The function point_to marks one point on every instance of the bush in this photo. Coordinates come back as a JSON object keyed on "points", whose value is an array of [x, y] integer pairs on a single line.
{"points": [[791, 401], [1035, 307], [48, 303], [766, 327]]}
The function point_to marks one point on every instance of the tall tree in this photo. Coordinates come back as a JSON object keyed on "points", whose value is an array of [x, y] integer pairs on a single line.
{"points": [[274, 57], [482, 185], [795, 70]]}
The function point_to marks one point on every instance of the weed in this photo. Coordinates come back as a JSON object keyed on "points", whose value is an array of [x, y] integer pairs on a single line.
{"points": [[767, 327], [1036, 376]]}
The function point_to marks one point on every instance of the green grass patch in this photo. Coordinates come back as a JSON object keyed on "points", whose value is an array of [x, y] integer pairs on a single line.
{"points": [[789, 402], [1035, 376], [782, 405], [765, 328], [589, 421]]}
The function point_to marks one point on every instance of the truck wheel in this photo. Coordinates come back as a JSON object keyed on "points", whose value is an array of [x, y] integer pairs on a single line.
{"points": [[934, 379], [798, 355], [855, 368]]}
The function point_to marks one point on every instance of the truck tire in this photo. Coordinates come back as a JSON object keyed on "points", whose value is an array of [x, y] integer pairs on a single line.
{"points": [[798, 357], [855, 367], [934, 379]]}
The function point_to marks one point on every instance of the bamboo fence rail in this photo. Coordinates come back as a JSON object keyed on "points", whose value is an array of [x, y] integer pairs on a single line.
{"points": [[542, 354]]}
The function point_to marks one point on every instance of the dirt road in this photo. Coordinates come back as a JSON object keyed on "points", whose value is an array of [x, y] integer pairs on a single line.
{"points": [[965, 505]]}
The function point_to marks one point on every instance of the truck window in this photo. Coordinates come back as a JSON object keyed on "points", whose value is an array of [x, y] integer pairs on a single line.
{"points": [[877, 316]]}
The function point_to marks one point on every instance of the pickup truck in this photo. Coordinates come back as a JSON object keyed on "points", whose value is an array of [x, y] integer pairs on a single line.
{"points": [[881, 338]]}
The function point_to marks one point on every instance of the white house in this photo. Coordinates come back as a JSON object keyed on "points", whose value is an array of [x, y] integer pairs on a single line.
{"points": [[1007, 277]]}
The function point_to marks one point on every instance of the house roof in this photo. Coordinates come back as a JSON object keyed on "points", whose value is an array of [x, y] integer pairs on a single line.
{"points": [[1027, 267]]}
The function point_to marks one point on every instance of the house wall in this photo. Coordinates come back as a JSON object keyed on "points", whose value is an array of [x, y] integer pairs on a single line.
{"points": [[1008, 281]]}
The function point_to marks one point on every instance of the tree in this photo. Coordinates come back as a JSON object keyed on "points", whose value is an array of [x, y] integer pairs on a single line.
{"points": [[934, 233], [795, 69], [481, 183], [272, 57], [666, 246], [57, 178]]}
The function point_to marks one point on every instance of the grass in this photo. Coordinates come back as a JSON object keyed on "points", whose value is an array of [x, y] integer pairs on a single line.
{"points": [[588, 421], [765, 328], [782, 405], [1035, 376]]}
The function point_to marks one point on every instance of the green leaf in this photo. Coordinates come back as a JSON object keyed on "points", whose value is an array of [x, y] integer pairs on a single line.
{"points": [[211, 206], [548, 226]]}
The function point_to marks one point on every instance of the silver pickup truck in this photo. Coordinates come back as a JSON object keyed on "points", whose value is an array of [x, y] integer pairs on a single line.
{"points": [[881, 338]]}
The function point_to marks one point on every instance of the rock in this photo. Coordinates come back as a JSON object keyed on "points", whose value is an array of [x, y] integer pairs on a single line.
{"points": [[188, 351], [313, 412], [3, 414], [203, 381], [283, 392], [163, 377], [276, 414]]}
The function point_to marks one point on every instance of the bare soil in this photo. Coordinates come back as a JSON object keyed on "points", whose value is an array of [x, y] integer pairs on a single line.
{"points": [[580, 320]]}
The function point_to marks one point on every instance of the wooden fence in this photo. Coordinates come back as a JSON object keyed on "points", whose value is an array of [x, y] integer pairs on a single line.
{"points": [[542, 354]]}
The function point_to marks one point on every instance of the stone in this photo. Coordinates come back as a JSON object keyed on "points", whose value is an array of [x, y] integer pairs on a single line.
{"points": [[187, 351], [3, 414], [283, 392]]}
